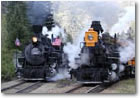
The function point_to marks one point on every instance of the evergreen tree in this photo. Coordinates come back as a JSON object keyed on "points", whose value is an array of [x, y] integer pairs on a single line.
{"points": [[17, 23]]}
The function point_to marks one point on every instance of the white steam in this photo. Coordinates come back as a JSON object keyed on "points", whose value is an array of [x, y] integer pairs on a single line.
{"points": [[125, 21], [62, 74], [56, 31], [74, 49], [125, 29], [127, 52], [76, 18]]}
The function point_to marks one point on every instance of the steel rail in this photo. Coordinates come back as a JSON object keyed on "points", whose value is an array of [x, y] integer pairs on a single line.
{"points": [[34, 86], [93, 88], [75, 88], [13, 86], [96, 89]]}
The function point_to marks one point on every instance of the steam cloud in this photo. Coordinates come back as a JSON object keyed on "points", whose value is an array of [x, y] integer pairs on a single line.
{"points": [[127, 35], [56, 31], [74, 49], [127, 52], [62, 74], [125, 21], [76, 18]]}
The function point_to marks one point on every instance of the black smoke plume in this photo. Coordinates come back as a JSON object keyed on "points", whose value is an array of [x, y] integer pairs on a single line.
{"points": [[38, 11]]}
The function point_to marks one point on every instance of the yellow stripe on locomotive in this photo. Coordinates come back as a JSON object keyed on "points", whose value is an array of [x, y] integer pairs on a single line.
{"points": [[91, 37]]}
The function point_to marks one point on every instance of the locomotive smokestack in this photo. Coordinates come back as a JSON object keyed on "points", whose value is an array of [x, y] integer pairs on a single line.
{"points": [[50, 22], [37, 28], [97, 26]]}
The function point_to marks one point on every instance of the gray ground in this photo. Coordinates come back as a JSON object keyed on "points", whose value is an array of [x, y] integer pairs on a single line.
{"points": [[124, 87], [61, 86]]}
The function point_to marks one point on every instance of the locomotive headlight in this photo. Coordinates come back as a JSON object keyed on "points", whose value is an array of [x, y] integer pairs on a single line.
{"points": [[114, 66], [34, 39], [90, 37]]}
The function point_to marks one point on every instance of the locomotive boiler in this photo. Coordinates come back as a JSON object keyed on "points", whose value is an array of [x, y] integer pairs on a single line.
{"points": [[99, 57]]}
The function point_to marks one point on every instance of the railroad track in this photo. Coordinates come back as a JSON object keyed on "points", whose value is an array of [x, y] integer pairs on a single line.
{"points": [[27, 87], [22, 87], [10, 87], [96, 89], [86, 89], [75, 88]]}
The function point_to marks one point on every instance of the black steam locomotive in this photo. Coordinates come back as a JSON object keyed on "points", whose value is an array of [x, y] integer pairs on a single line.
{"points": [[41, 60], [99, 58]]}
